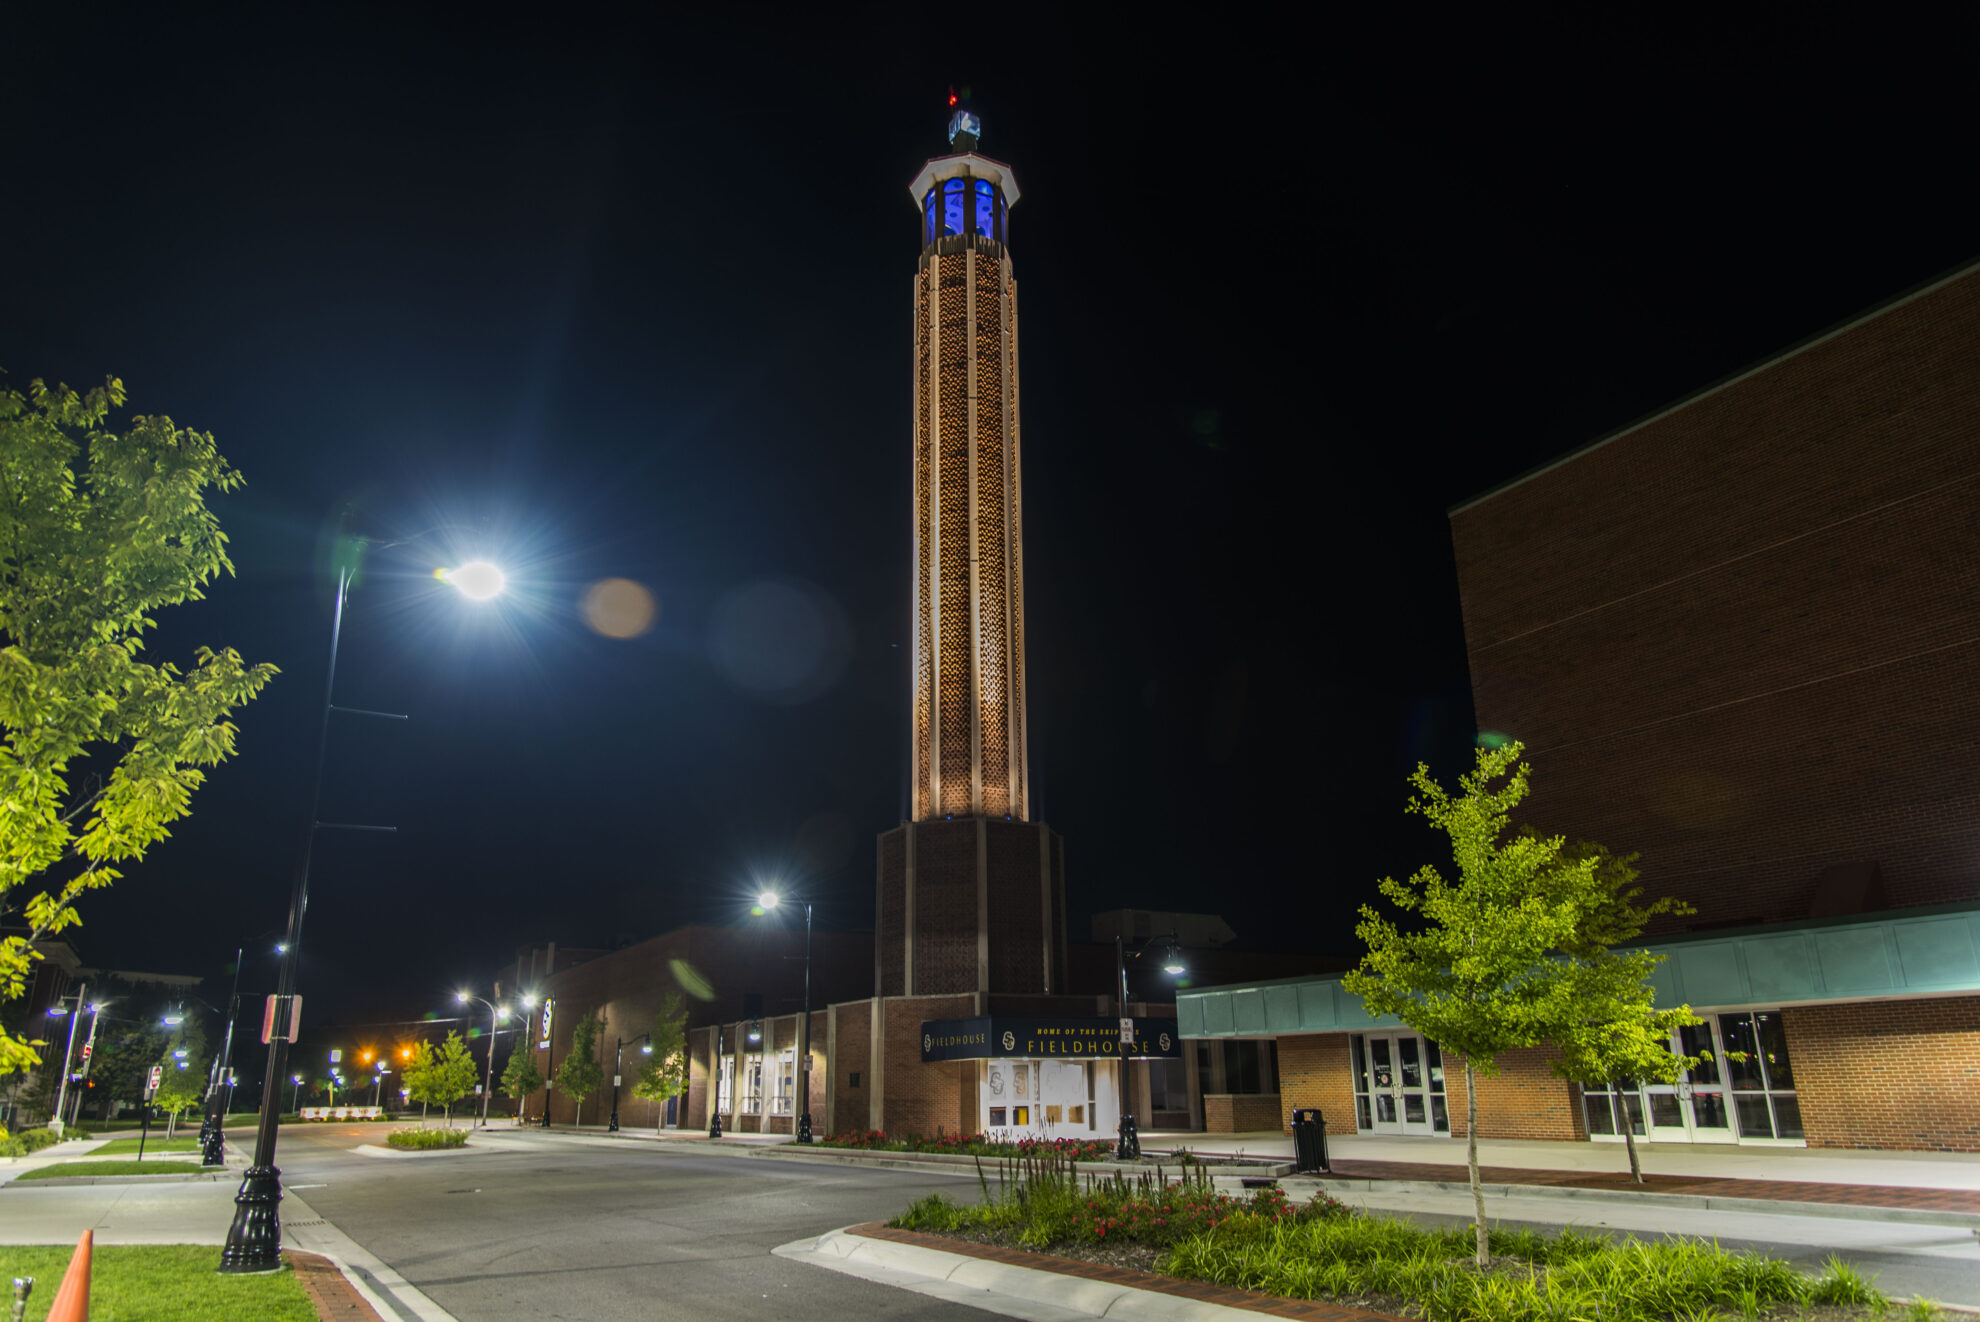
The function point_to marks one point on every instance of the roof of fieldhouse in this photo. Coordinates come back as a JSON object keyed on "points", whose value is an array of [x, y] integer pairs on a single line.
{"points": [[1907, 953], [1752, 369]]}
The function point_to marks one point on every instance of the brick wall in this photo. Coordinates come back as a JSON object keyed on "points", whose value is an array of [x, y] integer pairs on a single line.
{"points": [[1526, 1099], [1018, 934], [1888, 1074], [891, 936], [945, 914], [918, 1098], [850, 1104], [1315, 1070], [1241, 1113], [1740, 638]]}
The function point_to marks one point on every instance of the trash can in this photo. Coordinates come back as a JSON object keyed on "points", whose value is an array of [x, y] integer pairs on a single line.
{"points": [[1309, 1129]]}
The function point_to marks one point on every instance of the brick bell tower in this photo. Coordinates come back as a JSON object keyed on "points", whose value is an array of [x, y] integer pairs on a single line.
{"points": [[971, 890]]}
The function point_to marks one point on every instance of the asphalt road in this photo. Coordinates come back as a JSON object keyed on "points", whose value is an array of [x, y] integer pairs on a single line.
{"points": [[528, 1225]]}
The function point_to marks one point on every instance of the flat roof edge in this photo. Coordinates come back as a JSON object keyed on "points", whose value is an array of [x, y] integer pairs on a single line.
{"points": [[1793, 350]]}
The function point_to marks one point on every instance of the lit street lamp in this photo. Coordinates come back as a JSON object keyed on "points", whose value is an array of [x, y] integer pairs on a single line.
{"points": [[496, 1013], [254, 1240], [618, 1064], [295, 1093], [770, 900], [57, 1011]]}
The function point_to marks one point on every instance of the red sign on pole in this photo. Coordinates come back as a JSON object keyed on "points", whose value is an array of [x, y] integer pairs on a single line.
{"points": [[87, 1048], [157, 1075]]}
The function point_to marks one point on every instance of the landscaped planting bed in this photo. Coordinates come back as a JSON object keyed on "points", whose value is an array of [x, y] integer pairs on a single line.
{"points": [[428, 1138], [972, 1145], [1322, 1250]]}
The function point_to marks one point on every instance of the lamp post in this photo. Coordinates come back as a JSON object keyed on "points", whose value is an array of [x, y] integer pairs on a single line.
{"points": [[495, 1015], [715, 1087], [529, 1008], [57, 1011], [770, 900], [1128, 1141], [618, 1064], [295, 1093], [254, 1240]]}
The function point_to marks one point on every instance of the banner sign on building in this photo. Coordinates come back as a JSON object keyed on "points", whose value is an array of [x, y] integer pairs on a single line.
{"points": [[996, 1036], [544, 1032]]}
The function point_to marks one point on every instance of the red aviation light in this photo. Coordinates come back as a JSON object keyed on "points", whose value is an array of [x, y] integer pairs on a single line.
{"points": [[952, 96]]}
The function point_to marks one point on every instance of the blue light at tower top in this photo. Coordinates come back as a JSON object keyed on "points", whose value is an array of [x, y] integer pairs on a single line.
{"points": [[964, 121]]}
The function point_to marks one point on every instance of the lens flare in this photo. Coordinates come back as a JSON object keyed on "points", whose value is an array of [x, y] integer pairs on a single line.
{"points": [[619, 608], [477, 580]]}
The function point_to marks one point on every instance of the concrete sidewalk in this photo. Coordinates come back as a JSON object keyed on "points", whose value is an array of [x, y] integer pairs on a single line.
{"points": [[1919, 1170]]}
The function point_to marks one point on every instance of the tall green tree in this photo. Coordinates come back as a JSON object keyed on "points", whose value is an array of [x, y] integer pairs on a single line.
{"points": [[180, 1090], [664, 1074], [101, 750], [580, 1074], [1616, 1033], [453, 1073], [520, 1077], [1479, 973]]}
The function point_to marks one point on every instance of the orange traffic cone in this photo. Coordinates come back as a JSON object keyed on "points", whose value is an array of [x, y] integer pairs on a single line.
{"points": [[72, 1300]]}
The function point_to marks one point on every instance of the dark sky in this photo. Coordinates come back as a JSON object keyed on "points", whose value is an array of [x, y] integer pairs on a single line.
{"points": [[629, 296]]}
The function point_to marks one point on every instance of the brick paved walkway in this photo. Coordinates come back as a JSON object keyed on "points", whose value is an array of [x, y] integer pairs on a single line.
{"points": [[1804, 1191], [334, 1297], [1249, 1300]]}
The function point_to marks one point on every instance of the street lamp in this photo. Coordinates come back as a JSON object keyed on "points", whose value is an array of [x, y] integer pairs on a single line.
{"points": [[618, 1064], [495, 1014], [770, 900], [254, 1240], [522, 1041], [295, 1093], [1128, 1144], [57, 1011]]}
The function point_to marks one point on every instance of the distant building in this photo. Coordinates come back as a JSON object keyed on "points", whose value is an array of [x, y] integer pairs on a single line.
{"points": [[1740, 637]]}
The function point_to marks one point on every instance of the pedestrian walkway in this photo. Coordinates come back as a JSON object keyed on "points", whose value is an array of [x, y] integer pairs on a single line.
{"points": [[1606, 1165]]}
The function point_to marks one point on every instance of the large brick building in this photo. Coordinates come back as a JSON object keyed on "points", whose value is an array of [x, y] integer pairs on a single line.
{"points": [[1741, 638]]}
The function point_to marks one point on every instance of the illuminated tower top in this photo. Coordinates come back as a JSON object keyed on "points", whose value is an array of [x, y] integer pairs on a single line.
{"points": [[969, 731]]}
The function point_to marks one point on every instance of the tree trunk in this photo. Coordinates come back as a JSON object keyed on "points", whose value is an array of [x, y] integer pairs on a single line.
{"points": [[1629, 1132], [1471, 1159], [422, 1115]]}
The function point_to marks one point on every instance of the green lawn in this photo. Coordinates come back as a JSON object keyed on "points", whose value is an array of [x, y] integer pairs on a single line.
{"points": [[159, 1283], [84, 1166], [118, 1146]]}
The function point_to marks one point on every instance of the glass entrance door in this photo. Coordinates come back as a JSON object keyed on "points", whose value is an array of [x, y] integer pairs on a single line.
{"points": [[1693, 1109], [1399, 1085]]}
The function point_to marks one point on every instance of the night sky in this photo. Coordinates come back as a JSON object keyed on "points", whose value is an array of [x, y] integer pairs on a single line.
{"points": [[629, 296]]}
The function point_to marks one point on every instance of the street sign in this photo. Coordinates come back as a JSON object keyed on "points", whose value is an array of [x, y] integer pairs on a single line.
{"points": [[1127, 1031], [288, 1029], [87, 1048], [157, 1074], [337, 1056]]}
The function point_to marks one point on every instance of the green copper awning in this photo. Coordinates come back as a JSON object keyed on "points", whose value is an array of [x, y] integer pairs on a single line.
{"points": [[1903, 954]]}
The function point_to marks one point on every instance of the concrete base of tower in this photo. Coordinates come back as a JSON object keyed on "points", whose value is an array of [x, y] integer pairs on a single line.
{"points": [[971, 905]]}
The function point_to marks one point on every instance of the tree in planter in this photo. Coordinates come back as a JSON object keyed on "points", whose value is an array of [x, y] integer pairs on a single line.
{"points": [[1616, 1032], [1482, 976], [664, 1075], [521, 1077], [98, 532], [580, 1074]]}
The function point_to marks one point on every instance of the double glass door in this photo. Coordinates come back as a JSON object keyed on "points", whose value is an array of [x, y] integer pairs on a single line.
{"points": [[1399, 1085], [1741, 1090]]}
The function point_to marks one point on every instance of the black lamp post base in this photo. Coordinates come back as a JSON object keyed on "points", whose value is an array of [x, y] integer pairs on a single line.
{"points": [[1129, 1147], [254, 1241], [804, 1128]]}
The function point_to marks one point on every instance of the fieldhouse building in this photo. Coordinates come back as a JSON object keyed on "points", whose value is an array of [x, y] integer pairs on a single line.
{"points": [[1740, 637]]}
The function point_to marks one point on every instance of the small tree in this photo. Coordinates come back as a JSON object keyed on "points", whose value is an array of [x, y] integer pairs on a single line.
{"points": [[1481, 977], [179, 1089], [418, 1074], [580, 1074], [453, 1074], [664, 1075], [521, 1077], [1616, 1031]]}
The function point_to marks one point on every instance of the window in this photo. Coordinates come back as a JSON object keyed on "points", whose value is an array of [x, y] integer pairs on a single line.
{"points": [[725, 1085], [1249, 1067], [929, 224], [752, 1101], [1168, 1086], [955, 206], [997, 1114], [855, 1080], [1764, 1098], [780, 1104], [984, 221]]}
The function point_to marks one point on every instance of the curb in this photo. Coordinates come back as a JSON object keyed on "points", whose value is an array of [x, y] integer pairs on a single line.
{"points": [[397, 1154], [177, 1177], [922, 1160], [1073, 1290], [1699, 1202]]}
